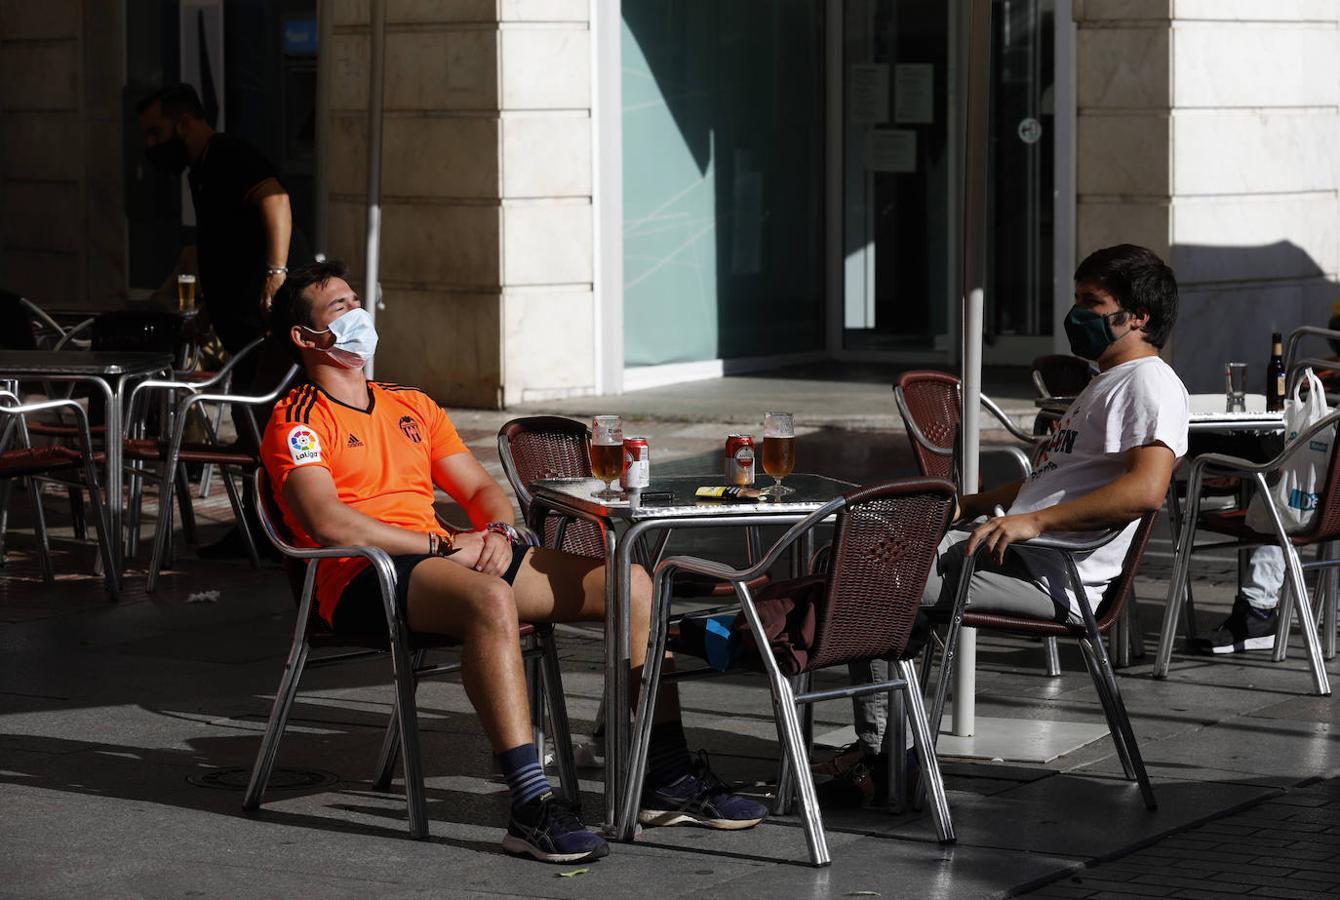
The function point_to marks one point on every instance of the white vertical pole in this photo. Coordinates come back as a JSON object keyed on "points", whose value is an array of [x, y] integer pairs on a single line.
{"points": [[975, 134], [607, 192], [376, 70]]}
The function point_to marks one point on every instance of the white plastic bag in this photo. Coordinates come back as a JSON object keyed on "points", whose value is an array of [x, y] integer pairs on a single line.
{"points": [[1299, 482]]}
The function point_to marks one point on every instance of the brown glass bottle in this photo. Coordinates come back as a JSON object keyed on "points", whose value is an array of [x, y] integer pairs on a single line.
{"points": [[1275, 376]]}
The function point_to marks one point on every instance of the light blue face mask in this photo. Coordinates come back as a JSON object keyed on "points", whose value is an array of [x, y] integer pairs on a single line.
{"points": [[355, 339]]}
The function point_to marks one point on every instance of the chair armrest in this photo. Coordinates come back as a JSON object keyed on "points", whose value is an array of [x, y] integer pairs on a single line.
{"points": [[1299, 333], [1066, 545], [999, 415]]}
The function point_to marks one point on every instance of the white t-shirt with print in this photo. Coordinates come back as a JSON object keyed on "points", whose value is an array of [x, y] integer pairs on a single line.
{"points": [[1131, 405]]}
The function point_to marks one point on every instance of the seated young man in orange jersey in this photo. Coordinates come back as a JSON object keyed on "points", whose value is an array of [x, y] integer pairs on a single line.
{"points": [[354, 462]]}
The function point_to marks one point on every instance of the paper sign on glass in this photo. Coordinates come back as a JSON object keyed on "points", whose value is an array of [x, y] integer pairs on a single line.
{"points": [[868, 84], [914, 93], [891, 150]]}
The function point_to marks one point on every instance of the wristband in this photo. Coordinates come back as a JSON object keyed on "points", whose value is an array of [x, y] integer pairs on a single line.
{"points": [[506, 530], [276, 270], [441, 544]]}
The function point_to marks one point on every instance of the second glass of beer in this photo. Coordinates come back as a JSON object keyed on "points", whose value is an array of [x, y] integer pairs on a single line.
{"points": [[185, 293], [779, 452], [607, 453]]}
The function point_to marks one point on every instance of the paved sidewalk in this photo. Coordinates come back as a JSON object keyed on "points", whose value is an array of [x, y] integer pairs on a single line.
{"points": [[1287, 846], [126, 731]]}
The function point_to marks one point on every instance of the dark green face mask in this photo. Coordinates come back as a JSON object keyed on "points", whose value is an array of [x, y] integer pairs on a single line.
{"points": [[1089, 332]]}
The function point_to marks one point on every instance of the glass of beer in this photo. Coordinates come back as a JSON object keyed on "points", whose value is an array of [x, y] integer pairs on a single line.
{"points": [[185, 293], [607, 453], [779, 452]]}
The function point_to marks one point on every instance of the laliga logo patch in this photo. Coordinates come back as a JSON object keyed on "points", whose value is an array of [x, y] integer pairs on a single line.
{"points": [[303, 445]]}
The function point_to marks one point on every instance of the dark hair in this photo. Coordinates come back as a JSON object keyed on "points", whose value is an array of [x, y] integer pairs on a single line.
{"points": [[177, 100], [1137, 279], [290, 305]]}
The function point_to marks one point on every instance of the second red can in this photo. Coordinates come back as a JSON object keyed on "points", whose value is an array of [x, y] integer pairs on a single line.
{"points": [[636, 463], [739, 459]]}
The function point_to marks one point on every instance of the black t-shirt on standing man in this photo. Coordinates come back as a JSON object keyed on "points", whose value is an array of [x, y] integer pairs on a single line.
{"points": [[231, 237]]}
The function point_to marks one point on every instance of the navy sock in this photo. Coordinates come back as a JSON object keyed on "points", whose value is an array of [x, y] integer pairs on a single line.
{"points": [[667, 754], [525, 778]]}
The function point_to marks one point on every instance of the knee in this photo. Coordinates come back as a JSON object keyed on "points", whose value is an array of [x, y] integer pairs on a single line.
{"points": [[493, 608]]}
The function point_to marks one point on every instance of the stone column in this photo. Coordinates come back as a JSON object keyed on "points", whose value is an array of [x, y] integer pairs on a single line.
{"points": [[1207, 130], [61, 71], [486, 246]]}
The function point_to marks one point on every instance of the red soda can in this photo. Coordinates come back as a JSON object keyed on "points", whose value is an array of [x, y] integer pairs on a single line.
{"points": [[739, 459], [636, 464]]}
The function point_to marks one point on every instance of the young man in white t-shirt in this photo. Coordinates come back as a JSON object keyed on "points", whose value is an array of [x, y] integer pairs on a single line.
{"points": [[1107, 463]]}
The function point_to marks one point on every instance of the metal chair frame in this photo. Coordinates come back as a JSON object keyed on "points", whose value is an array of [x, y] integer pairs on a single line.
{"points": [[12, 410], [135, 428], [1295, 593], [1089, 635], [408, 654], [787, 700], [1021, 459], [172, 457]]}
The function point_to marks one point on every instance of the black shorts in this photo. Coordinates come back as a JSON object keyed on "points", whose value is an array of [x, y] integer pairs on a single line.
{"points": [[359, 610]]}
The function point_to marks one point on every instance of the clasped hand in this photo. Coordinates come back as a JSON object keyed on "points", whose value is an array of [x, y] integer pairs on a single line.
{"points": [[483, 551]]}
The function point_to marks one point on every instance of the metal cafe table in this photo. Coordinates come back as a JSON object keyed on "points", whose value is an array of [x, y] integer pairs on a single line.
{"points": [[624, 527], [109, 373]]}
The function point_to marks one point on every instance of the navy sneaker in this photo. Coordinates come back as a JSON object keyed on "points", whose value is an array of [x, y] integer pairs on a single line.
{"points": [[699, 798], [547, 829]]}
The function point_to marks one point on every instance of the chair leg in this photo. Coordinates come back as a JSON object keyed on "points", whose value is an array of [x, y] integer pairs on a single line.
{"points": [[77, 520], [924, 742], [239, 512], [166, 486], [786, 777], [552, 676], [1109, 712], [1053, 656], [625, 823], [793, 744], [402, 665], [274, 729], [207, 475], [134, 513], [1108, 679], [391, 739], [40, 530], [1179, 594], [1332, 597], [895, 750], [4, 515], [535, 700], [184, 506], [105, 536], [1311, 639]]}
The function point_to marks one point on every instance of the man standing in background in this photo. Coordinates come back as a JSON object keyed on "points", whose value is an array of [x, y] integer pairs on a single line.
{"points": [[245, 242]]}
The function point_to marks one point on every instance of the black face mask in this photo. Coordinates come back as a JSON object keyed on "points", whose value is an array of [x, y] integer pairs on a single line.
{"points": [[169, 156]]}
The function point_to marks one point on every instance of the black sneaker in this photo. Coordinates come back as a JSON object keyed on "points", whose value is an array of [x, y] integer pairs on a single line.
{"points": [[1244, 629], [700, 798], [548, 830]]}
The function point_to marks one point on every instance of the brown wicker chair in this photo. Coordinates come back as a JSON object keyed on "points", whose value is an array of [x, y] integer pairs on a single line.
{"points": [[535, 447], [408, 652], [1058, 376], [1089, 633], [931, 406], [1324, 528], [884, 545]]}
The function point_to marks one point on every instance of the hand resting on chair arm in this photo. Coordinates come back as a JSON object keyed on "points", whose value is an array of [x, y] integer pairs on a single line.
{"points": [[1139, 490]]}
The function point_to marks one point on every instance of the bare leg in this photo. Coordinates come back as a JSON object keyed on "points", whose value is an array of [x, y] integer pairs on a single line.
{"points": [[446, 598], [560, 587]]}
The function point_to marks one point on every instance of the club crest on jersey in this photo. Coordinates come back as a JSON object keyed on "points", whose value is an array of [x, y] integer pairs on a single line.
{"points": [[411, 429], [303, 445]]}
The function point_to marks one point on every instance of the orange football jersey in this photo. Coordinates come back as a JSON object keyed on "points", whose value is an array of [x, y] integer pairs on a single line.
{"points": [[380, 459]]}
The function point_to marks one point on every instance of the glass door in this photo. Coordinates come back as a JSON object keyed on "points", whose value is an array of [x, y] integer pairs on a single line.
{"points": [[901, 227]]}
